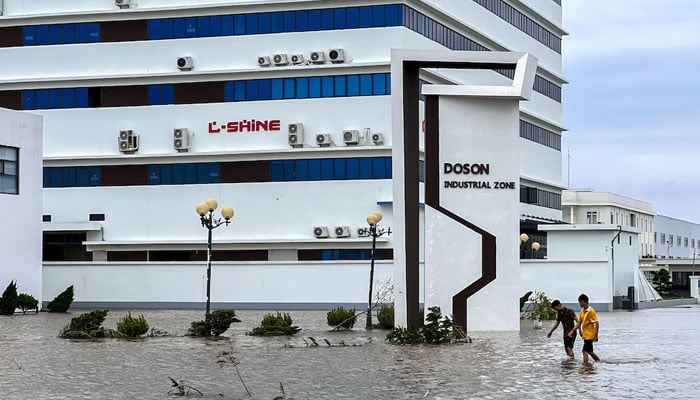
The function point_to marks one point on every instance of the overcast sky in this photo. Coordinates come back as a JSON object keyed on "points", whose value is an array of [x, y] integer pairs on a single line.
{"points": [[631, 106]]}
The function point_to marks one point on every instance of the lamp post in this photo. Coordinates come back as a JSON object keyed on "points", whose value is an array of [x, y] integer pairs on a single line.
{"points": [[373, 219], [205, 210], [535, 246]]}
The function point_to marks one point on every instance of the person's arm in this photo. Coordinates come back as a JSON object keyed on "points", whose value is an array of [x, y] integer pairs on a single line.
{"points": [[554, 328], [596, 324], [577, 326]]}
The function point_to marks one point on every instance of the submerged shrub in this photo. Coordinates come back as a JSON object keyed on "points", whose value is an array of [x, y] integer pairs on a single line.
{"points": [[132, 327], [341, 318], [385, 316], [8, 301], [436, 330], [85, 325], [214, 324], [276, 325], [62, 302], [27, 302]]}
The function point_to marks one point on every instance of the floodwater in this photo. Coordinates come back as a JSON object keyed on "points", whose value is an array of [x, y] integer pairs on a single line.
{"points": [[647, 354]]}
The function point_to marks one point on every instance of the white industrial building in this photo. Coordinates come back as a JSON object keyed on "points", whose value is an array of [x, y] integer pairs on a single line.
{"points": [[677, 245], [280, 109]]}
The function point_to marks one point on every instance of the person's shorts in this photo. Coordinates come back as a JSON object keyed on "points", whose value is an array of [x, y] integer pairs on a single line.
{"points": [[569, 342], [588, 346]]}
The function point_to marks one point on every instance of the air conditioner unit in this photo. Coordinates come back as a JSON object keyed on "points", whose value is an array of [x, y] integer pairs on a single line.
{"points": [[181, 139], [342, 231], [124, 3], [264, 61], [185, 63], [317, 57], [128, 141], [378, 138], [323, 139], [321, 232], [351, 137], [336, 56], [297, 59], [296, 134], [280, 59]]}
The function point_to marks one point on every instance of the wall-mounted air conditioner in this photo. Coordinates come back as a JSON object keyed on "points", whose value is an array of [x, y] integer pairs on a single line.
{"points": [[336, 56], [378, 138], [321, 232], [297, 59], [125, 3], [317, 57], [185, 63], [181, 139], [323, 139], [342, 231], [351, 137], [264, 61], [128, 141], [280, 59], [296, 134]]}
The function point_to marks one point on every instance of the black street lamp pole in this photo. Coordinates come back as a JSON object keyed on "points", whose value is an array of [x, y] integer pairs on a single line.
{"points": [[206, 215], [373, 219]]}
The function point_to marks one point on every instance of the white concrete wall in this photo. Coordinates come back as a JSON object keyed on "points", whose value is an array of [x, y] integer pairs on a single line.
{"points": [[20, 229], [566, 280], [678, 228]]}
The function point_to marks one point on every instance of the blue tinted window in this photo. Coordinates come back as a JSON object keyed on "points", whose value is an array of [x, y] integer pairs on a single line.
{"points": [[167, 28], [227, 25], [95, 176], [265, 89], [378, 15], [276, 171], [327, 86], [178, 174], [167, 94], [93, 32], [46, 177], [277, 22], [153, 174], [366, 168], [28, 35], [388, 83], [68, 98], [302, 21], [178, 28], [68, 33], [42, 98], [190, 173], [327, 169], [365, 17], [203, 26], [191, 27], [353, 85], [277, 89], [339, 18], [339, 168], [81, 97], [314, 20], [154, 94], [215, 25], [379, 168], [288, 168], [55, 98], [69, 176], [54, 34], [326, 19], [166, 174], [379, 84], [388, 166], [302, 88], [239, 91], [339, 86], [251, 89], [393, 13], [214, 172], [251, 24], [42, 34], [301, 170], [288, 24], [264, 23], [28, 100], [315, 86], [326, 255], [289, 92], [55, 177], [314, 170], [202, 172], [365, 85], [353, 15], [81, 33], [82, 176], [239, 24], [352, 168]]}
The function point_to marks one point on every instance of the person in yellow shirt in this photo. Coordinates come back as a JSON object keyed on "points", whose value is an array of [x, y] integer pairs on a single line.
{"points": [[587, 326]]}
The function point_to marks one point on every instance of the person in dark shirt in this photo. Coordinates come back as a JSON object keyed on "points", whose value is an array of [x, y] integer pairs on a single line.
{"points": [[567, 317]]}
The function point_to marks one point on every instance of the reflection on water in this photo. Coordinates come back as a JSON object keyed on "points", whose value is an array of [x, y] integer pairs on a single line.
{"points": [[648, 354]]}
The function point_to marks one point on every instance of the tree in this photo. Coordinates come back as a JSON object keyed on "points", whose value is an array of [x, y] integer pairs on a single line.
{"points": [[661, 280]]}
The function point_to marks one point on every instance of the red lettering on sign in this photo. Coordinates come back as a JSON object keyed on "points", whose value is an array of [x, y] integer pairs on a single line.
{"points": [[246, 125], [213, 128]]}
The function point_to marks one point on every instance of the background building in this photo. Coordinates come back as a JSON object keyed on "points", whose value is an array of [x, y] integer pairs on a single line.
{"points": [[677, 245], [278, 108]]}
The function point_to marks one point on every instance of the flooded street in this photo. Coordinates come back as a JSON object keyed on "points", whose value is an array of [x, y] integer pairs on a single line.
{"points": [[647, 354]]}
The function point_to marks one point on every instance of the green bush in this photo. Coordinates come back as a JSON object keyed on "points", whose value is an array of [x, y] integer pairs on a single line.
{"points": [[8, 301], [438, 329], [385, 316], [132, 327], [214, 324], [341, 318], [85, 325], [27, 302], [62, 302], [276, 325], [542, 307]]}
